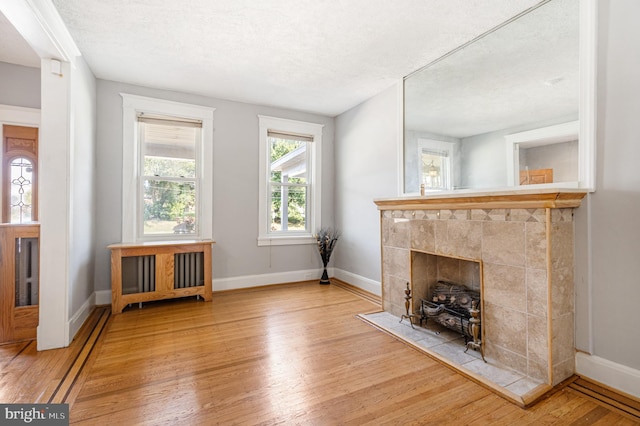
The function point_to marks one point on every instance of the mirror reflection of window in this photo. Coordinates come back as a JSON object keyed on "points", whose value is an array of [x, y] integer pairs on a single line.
{"points": [[435, 172]]}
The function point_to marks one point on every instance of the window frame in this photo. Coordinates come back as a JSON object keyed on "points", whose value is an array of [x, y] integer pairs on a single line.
{"points": [[436, 146], [314, 195], [142, 178], [132, 211]]}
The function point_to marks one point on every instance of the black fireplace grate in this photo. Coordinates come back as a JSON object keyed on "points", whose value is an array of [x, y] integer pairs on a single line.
{"points": [[449, 307], [452, 319]]}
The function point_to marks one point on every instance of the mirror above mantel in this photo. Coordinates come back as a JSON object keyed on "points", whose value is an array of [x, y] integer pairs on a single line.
{"points": [[514, 107]]}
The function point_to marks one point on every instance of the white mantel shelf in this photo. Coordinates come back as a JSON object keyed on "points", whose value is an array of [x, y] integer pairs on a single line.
{"points": [[519, 199]]}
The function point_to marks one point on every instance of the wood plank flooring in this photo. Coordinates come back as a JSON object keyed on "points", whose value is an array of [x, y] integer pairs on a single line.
{"points": [[290, 354]]}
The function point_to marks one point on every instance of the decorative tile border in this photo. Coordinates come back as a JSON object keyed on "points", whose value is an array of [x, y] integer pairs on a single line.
{"points": [[483, 215]]}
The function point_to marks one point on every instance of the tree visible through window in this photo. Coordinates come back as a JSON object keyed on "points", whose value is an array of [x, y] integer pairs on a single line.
{"points": [[167, 170], [289, 181], [169, 175]]}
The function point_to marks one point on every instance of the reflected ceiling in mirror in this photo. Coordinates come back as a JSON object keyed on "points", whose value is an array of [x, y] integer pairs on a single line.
{"points": [[520, 76]]}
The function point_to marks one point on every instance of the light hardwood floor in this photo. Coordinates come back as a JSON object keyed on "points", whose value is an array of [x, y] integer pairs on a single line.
{"points": [[290, 354]]}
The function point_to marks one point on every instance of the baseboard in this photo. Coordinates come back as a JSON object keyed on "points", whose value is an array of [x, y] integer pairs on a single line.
{"points": [[248, 281], [81, 315], [614, 375], [103, 297], [359, 281]]}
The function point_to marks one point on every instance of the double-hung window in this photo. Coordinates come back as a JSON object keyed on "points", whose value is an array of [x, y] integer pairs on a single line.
{"points": [[169, 187], [289, 208], [167, 176]]}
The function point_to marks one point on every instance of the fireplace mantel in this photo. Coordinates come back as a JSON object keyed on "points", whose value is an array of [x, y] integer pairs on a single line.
{"points": [[523, 242], [520, 199]]}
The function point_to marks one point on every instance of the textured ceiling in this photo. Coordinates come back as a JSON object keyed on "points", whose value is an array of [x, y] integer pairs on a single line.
{"points": [[323, 56], [525, 73]]}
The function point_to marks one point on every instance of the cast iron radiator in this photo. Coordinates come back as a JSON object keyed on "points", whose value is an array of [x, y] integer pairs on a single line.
{"points": [[146, 273], [188, 270]]}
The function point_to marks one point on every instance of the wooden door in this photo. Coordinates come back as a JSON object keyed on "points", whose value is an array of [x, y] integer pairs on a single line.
{"points": [[19, 275], [19, 235]]}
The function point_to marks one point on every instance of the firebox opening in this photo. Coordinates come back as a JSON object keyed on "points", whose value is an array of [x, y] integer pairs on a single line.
{"points": [[447, 291]]}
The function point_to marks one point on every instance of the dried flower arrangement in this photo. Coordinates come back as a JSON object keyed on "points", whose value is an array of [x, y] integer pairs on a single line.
{"points": [[327, 239]]}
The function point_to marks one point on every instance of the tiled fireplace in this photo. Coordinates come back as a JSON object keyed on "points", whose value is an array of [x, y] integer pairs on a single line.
{"points": [[516, 248]]}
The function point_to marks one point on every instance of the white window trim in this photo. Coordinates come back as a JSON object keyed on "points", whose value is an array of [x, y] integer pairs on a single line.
{"points": [[265, 238], [131, 106]]}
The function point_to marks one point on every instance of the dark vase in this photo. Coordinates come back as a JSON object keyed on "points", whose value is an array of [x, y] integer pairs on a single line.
{"points": [[325, 277]]}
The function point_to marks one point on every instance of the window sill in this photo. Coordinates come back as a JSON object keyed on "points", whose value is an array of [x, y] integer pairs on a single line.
{"points": [[171, 237], [286, 240]]}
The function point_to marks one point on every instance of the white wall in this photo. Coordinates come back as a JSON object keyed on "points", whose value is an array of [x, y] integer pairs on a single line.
{"points": [[53, 207], [561, 157], [366, 152], [483, 162], [608, 301], [82, 194], [237, 259], [66, 206], [19, 85]]}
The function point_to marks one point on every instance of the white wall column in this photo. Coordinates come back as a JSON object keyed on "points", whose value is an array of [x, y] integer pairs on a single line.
{"points": [[53, 212]]}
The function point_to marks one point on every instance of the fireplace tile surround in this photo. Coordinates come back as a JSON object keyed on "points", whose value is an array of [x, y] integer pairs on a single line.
{"points": [[523, 244]]}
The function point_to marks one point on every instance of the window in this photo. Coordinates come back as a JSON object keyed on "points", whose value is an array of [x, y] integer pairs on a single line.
{"points": [[19, 166], [167, 176], [435, 164], [168, 182], [21, 190], [289, 207]]}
